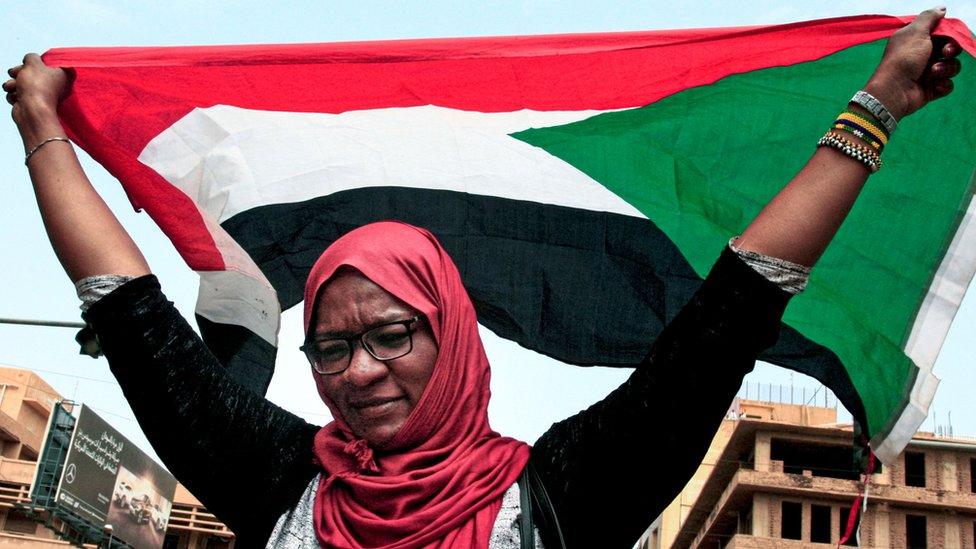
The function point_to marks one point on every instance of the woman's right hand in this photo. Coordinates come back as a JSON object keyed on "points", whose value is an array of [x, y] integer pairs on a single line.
{"points": [[34, 92], [916, 67], [84, 233]]}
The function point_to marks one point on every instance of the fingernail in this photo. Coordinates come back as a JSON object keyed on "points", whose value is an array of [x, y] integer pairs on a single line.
{"points": [[941, 8]]}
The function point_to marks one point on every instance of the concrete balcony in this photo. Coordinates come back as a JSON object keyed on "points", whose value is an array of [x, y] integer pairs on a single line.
{"points": [[825, 488], [8, 539], [11, 496], [14, 431], [193, 518], [41, 401], [745, 541], [17, 471]]}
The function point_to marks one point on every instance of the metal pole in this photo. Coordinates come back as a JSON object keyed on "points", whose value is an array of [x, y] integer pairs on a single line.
{"points": [[50, 323]]}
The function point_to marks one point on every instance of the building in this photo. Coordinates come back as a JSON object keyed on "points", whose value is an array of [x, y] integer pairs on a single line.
{"points": [[26, 402], [781, 475]]}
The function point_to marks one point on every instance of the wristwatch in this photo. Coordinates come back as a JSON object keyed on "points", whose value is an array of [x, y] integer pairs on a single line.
{"points": [[871, 104]]}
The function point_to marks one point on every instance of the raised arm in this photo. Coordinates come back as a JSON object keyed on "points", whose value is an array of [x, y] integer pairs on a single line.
{"points": [[802, 219], [693, 370], [85, 234], [245, 458]]}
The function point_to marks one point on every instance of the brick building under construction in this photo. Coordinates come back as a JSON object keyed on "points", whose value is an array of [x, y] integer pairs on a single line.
{"points": [[781, 475]]}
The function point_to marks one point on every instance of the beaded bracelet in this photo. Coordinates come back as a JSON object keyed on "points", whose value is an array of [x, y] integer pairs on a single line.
{"points": [[861, 135], [872, 127], [862, 127], [863, 154], [867, 121]]}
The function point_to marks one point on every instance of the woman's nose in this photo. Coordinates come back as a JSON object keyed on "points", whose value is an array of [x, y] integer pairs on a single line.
{"points": [[365, 369]]}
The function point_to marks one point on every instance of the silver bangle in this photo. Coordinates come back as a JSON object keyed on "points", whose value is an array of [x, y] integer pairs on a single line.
{"points": [[41, 144], [871, 104]]}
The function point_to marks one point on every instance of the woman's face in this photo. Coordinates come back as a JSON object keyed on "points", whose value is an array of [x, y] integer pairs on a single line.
{"points": [[374, 397]]}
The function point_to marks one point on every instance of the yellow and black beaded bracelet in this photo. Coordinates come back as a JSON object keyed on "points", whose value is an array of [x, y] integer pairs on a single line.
{"points": [[864, 124], [863, 136]]}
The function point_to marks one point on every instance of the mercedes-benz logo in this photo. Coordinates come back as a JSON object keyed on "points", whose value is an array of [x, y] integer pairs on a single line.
{"points": [[69, 473]]}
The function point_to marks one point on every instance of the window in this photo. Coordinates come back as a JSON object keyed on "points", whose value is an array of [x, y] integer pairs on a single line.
{"points": [[972, 475], [18, 522], [27, 454], [791, 520], [845, 512], [823, 460], [819, 524], [916, 536], [745, 521], [915, 469]]}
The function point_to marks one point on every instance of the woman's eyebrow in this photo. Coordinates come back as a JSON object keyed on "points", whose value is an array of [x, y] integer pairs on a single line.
{"points": [[384, 318]]}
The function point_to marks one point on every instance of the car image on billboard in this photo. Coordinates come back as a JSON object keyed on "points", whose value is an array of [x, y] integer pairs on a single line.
{"points": [[138, 513]]}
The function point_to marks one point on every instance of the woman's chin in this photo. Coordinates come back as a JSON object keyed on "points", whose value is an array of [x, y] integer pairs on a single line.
{"points": [[379, 434], [378, 424]]}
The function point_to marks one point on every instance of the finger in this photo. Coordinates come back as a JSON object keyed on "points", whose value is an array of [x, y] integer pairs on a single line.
{"points": [[940, 88], [12, 98], [12, 71], [929, 19], [944, 68], [9, 86], [951, 48], [944, 47], [32, 59]]}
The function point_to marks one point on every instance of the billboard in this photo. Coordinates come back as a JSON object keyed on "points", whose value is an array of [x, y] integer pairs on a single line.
{"points": [[107, 480]]}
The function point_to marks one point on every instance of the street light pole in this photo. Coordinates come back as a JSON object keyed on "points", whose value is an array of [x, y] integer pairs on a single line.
{"points": [[50, 323], [107, 529]]}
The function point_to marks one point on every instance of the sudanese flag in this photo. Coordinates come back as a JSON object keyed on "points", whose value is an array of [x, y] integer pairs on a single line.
{"points": [[583, 184]]}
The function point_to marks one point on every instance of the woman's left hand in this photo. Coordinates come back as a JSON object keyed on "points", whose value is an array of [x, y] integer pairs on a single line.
{"points": [[916, 67]]}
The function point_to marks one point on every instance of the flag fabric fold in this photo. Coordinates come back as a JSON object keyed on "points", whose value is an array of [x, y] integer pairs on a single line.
{"points": [[583, 184]]}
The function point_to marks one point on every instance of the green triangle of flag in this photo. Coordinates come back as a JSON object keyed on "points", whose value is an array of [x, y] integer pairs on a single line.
{"points": [[702, 163]]}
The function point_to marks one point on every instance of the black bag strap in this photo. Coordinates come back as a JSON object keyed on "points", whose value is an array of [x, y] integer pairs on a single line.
{"points": [[538, 499], [526, 526]]}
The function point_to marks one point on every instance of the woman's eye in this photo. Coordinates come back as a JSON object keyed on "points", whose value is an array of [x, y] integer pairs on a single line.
{"points": [[333, 351], [390, 337]]}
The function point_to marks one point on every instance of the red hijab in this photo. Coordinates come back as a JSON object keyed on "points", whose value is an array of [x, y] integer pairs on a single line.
{"points": [[442, 482]]}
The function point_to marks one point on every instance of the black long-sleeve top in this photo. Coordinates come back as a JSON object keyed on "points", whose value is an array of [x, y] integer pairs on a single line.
{"points": [[249, 461]]}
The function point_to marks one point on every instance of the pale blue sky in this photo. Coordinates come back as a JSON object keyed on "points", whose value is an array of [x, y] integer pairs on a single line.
{"points": [[529, 392]]}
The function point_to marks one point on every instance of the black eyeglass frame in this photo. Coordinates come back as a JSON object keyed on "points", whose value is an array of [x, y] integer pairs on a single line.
{"points": [[309, 347]]}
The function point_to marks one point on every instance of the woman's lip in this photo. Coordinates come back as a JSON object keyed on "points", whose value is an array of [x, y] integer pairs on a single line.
{"points": [[376, 406], [373, 401]]}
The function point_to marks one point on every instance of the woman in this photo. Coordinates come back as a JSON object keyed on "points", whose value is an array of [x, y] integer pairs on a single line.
{"points": [[410, 460]]}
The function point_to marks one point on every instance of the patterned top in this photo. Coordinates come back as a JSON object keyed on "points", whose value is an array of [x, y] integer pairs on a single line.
{"points": [[791, 277], [296, 528]]}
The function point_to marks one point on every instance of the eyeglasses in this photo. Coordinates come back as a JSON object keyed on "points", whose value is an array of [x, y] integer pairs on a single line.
{"points": [[384, 342]]}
